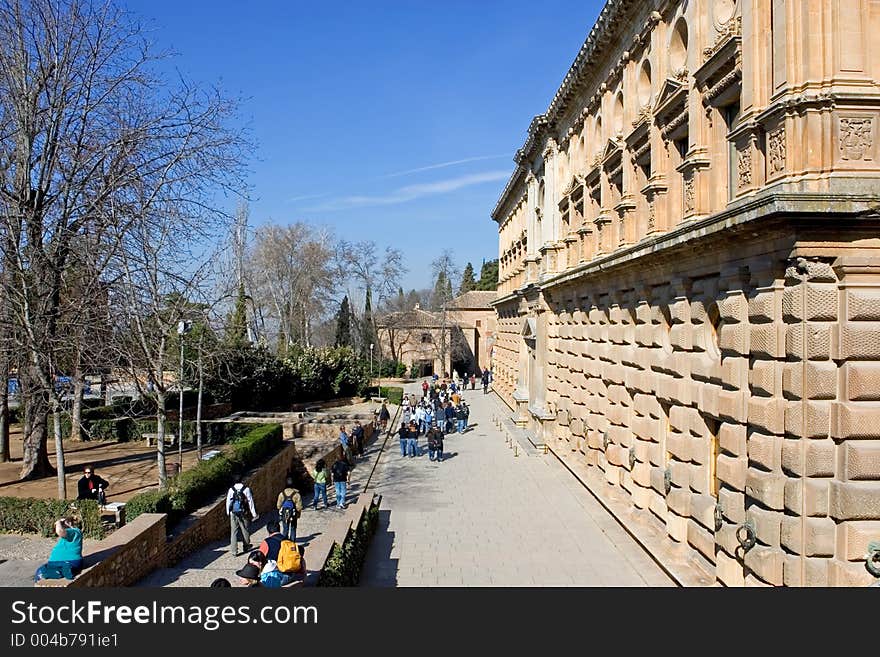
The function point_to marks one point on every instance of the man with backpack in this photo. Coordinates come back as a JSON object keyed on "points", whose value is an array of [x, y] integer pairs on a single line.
{"points": [[340, 471], [239, 501], [289, 505], [485, 381], [284, 553]]}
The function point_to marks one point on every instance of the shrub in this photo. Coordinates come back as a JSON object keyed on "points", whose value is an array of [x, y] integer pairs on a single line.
{"points": [[28, 515], [151, 501], [343, 566], [201, 484]]}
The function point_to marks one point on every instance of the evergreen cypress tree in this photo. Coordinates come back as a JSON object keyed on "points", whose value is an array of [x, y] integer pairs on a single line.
{"points": [[488, 276], [369, 329], [236, 330], [467, 280], [343, 324]]}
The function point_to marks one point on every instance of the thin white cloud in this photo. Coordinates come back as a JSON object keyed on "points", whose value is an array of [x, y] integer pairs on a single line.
{"points": [[306, 197], [413, 192], [442, 165]]}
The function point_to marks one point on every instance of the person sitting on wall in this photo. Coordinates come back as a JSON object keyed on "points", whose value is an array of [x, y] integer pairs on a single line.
{"points": [[91, 487], [65, 560]]}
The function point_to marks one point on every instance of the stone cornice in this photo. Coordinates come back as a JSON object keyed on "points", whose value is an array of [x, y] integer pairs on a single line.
{"points": [[608, 26]]}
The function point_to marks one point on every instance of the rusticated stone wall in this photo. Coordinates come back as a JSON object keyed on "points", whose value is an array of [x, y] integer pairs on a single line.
{"points": [[740, 399]]}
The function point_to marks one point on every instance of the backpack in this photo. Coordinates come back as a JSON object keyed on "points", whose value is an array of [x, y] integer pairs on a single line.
{"points": [[239, 501], [288, 509], [340, 472], [289, 557]]}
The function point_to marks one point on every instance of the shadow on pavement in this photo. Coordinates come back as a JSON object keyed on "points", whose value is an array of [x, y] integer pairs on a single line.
{"points": [[379, 569]]}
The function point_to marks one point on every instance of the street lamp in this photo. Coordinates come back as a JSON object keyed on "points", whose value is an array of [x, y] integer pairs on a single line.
{"points": [[183, 327]]}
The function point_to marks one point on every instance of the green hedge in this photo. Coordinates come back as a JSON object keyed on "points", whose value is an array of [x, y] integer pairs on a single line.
{"points": [[29, 515], [195, 487], [393, 394], [343, 566]]}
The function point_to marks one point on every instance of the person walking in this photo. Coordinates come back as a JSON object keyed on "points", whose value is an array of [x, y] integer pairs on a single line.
{"points": [[358, 439], [384, 416], [403, 434], [449, 415], [460, 418], [320, 477], [473, 381], [425, 388], [340, 481], [290, 506], [413, 442], [345, 441], [239, 501], [485, 381]]}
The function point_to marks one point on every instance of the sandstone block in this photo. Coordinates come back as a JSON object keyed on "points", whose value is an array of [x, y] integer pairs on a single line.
{"points": [[703, 511], [732, 470], [766, 341], [815, 571], [732, 505], [701, 539], [862, 304], [767, 524], [767, 488], [858, 341], [809, 419], [762, 378], [679, 445], [853, 538], [641, 474], [855, 500], [862, 381], [855, 420], [728, 570], [861, 460], [679, 501], [699, 482], [726, 540], [657, 481], [766, 563], [815, 493], [657, 504], [732, 438], [762, 306], [844, 573], [676, 527], [819, 534], [767, 414], [641, 497], [735, 373], [734, 339], [810, 458], [765, 451]]}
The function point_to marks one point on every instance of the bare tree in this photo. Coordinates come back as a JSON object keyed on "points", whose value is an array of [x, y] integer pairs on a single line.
{"points": [[292, 274], [91, 143], [445, 271]]}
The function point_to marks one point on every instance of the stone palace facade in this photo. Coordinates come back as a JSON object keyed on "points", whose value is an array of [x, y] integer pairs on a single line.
{"points": [[689, 290]]}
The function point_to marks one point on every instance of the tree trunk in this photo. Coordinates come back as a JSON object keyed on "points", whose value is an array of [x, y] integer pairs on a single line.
{"points": [[76, 410], [160, 438], [59, 451], [199, 408], [4, 413], [35, 461]]}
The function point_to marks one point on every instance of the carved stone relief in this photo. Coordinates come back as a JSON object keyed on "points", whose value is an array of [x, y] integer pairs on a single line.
{"points": [[856, 137], [744, 168], [776, 150], [690, 193]]}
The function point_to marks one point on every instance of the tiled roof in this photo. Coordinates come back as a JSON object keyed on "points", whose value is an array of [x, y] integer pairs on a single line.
{"points": [[475, 299]]}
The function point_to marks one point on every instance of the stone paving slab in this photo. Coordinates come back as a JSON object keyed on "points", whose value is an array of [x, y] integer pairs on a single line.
{"points": [[484, 517]]}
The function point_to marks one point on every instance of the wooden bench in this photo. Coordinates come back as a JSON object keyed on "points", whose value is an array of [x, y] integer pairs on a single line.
{"points": [[151, 438]]}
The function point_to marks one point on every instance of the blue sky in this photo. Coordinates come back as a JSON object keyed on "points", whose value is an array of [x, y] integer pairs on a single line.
{"points": [[390, 121]]}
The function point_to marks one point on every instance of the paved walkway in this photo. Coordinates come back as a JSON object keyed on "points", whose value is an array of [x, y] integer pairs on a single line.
{"points": [[484, 517], [215, 560]]}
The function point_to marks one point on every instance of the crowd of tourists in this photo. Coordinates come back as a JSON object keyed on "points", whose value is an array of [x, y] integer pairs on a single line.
{"points": [[441, 411]]}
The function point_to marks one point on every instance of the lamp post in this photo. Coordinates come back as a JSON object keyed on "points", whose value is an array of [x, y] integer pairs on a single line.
{"points": [[183, 327]]}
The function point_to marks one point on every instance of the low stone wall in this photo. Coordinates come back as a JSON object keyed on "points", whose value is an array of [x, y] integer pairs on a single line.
{"points": [[210, 523], [126, 556]]}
